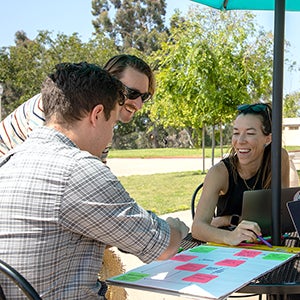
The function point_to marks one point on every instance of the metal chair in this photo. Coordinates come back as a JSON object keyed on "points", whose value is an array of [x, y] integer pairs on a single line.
{"points": [[198, 188], [19, 281]]}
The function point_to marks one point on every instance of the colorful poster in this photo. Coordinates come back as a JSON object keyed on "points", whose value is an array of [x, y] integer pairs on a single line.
{"points": [[208, 272]]}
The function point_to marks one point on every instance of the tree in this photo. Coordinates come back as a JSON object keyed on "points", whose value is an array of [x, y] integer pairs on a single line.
{"points": [[291, 105], [136, 27], [24, 67], [212, 62], [130, 23]]}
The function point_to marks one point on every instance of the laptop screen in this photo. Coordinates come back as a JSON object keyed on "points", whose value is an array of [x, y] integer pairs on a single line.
{"points": [[294, 210], [257, 207]]}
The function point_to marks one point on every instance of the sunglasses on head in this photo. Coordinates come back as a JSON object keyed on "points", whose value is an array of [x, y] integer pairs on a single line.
{"points": [[132, 94], [257, 107]]}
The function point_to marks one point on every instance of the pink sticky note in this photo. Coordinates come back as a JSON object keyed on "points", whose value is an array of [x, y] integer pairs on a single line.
{"points": [[190, 267], [248, 253], [183, 257], [230, 262], [201, 278]]}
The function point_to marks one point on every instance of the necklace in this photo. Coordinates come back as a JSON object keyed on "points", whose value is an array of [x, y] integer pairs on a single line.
{"points": [[255, 183]]}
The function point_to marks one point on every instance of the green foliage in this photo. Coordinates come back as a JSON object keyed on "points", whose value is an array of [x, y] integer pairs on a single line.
{"points": [[208, 63], [291, 105], [23, 67], [212, 62], [134, 24]]}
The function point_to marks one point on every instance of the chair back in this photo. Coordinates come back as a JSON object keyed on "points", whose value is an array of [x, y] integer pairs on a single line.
{"points": [[198, 188], [19, 281]]}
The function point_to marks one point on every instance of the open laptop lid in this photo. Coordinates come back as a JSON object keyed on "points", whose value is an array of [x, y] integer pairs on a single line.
{"points": [[257, 207], [294, 211]]}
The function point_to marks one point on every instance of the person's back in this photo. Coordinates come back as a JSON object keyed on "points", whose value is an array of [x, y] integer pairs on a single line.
{"points": [[35, 216]]}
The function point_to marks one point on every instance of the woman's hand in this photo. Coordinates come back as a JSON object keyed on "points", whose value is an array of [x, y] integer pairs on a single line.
{"points": [[245, 231]]}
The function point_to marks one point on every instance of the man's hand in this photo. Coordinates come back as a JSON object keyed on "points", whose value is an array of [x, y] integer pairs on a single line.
{"points": [[176, 223]]}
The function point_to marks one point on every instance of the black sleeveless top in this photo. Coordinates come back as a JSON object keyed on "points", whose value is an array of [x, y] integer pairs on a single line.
{"points": [[231, 203]]}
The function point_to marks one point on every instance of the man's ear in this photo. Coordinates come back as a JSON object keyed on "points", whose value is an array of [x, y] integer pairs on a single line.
{"points": [[96, 113]]}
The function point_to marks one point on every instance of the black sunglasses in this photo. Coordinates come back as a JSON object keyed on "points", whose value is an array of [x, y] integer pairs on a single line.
{"points": [[133, 94]]}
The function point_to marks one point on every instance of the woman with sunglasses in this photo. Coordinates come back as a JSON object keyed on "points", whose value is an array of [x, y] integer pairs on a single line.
{"points": [[248, 167], [133, 72]]}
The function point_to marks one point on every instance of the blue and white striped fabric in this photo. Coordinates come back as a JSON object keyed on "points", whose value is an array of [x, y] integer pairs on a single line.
{"points": [[17, 126]]}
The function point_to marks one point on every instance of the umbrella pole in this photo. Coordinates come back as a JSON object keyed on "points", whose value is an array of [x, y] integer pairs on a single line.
{"points": [[279, 21]]}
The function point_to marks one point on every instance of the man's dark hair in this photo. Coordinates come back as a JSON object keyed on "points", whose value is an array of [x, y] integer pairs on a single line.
{"points": [[74, 89], [119, 63]]}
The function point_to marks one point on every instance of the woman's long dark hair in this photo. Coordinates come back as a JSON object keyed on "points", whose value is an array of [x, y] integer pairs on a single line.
{"points": [[264, 112]]}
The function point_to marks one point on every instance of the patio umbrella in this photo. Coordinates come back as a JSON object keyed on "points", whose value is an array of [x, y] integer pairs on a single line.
{"points": [[279, 7]]}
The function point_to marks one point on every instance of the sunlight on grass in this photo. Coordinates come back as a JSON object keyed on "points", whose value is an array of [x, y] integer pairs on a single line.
{"points": [[163, 193], [174, 152], [164, 152]]}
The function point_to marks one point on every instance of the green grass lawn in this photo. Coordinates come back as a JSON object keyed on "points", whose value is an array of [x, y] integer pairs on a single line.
{"points": [[163, 152], [172, 152], [163, 193]]}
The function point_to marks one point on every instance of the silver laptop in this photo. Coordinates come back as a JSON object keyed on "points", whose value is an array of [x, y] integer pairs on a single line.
{"points": [[294, 211], [257, 207]]}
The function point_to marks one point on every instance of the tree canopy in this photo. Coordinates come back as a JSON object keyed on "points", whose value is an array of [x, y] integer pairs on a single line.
{"points": [[138, 24], [291, 105], [206, 63], [23, 67], [212, 62]]}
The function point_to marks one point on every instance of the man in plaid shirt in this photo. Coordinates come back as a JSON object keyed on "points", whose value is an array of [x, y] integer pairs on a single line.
{"points": [[61, 206]]}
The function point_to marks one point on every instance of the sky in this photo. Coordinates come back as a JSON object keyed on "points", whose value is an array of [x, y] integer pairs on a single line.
{"points": [[69, 16]]}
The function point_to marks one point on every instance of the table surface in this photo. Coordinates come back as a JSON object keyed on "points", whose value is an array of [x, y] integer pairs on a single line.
{"points": [[283, 280]]}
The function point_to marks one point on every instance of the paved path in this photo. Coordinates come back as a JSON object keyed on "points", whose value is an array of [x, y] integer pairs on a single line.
{"points": [[140, 166], [145, 166]]}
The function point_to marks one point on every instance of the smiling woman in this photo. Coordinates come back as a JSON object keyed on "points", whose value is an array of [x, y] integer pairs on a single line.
{"points": [[248, 167]]}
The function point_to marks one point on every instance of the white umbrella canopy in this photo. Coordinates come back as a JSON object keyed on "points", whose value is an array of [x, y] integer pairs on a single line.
{"points": [[279, 7]]}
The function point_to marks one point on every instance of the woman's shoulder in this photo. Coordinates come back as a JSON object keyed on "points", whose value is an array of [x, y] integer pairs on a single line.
{"points": [[217, 178], [218, 169]]}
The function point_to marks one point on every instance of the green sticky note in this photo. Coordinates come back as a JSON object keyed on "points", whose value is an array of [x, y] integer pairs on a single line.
{"points": [[277, 256], [203, 249], [132, 276]]}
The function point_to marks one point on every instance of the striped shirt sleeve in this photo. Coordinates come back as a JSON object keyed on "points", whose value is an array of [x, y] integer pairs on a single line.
{"points": [[16, 127]]}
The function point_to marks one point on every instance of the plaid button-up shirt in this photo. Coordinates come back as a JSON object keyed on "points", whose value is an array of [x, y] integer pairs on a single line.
{"points": [[60, 207]]}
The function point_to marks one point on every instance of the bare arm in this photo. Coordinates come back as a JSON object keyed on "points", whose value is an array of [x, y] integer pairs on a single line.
{"points": [[178, 232], [216, 183]]}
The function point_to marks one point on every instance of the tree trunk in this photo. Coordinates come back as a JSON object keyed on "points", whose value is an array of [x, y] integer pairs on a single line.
{"points": [[213, 145], [203, 149], [221, 140]]}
